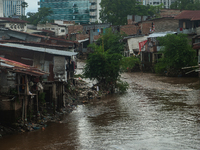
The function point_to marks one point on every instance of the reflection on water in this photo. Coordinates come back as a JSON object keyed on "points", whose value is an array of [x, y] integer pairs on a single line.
{"points": [[142, 119]]}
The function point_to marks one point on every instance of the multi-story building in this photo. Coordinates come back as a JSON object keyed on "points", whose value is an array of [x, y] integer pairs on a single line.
{"points": [[73, 10], [79, 11], [1, 8], [11, 7], [95, 11], [166, 3]]}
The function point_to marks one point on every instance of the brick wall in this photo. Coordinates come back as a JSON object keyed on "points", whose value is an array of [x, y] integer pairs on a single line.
{"points": [[133, 30], [146, 27], [166, 24], [129, 29], [81, 36], [75, 29], [130, 21]]}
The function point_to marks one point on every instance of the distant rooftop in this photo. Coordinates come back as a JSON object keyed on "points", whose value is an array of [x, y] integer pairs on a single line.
{"points": [[189, 14], [15, 20], [40, 49]]}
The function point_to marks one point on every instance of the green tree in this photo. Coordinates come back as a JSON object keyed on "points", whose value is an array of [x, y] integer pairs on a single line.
{"points": [[104, 64], [39, 17], [112, 41], [186, 5], [24, 5], [177, 53], [129, 62], [116, 11]]}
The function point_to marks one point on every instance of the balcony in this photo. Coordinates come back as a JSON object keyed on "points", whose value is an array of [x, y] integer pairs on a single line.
{"points": [[93, 13], [93, 7], [187, 31], [92, 1], [93, 20]]}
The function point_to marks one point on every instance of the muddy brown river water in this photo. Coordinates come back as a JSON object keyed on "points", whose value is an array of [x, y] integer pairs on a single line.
{"points": [[157, 113]]}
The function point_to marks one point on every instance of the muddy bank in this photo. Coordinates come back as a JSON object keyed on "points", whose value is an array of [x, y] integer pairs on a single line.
{"points": [[75, 94], [154, 81]]}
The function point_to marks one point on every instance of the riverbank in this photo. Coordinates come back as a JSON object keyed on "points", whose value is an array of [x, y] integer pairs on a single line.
{"points": [[77, 93]]}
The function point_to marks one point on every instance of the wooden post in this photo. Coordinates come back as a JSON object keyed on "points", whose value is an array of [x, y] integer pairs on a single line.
{"points": [[59, 97], [26, 96], [63, 93], [37, 100], [54, 96], [23, 109], [153, 58], [141, 58], [18, 83]]}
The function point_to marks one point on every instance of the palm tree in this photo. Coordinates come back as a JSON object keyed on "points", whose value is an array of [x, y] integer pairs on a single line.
{"points": [[24, 5]]}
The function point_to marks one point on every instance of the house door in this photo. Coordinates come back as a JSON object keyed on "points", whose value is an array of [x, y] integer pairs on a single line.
{"points": [[184, 25]]}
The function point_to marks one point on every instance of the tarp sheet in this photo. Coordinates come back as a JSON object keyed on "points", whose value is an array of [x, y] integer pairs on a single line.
{"points": [[133, 43]]}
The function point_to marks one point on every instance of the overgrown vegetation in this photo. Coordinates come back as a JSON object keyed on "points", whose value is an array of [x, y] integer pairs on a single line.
{"points": [[122, 86], [129, 62], [41, 98], [106, 62], [177, 53], [39, 17]]}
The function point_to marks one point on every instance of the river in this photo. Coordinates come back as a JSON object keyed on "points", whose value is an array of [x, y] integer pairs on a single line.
{"points": [[157, 113]]}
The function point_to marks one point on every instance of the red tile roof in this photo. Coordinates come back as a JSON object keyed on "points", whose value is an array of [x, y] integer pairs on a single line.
{"points": [[21, 68], [189, 14], [63, 40], [13, 20], [129, 29]]}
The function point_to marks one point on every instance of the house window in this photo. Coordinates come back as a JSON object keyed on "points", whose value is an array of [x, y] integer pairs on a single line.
{"points": [[52, 28], [74, 17], [62, 30]]}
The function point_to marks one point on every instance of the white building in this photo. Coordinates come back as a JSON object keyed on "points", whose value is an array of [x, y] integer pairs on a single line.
{"points": [[13, 24], [95, 11], [166, 3], [11, 7], [59, 30], [1, 8]]}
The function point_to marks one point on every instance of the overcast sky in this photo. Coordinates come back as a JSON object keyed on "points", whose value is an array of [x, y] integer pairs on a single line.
{"points": [[32, 5]]}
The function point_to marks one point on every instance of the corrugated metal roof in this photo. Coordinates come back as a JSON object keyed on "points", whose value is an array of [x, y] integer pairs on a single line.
{"points": [[33, 43], [30, 31], [15, 20], [19, 67], [160, 34], [62, 40], [189, 14], [40, 49], [80, 41]]}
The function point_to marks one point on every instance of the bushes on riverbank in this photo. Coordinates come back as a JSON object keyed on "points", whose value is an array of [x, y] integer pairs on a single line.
{"points": [[177, 53]]}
